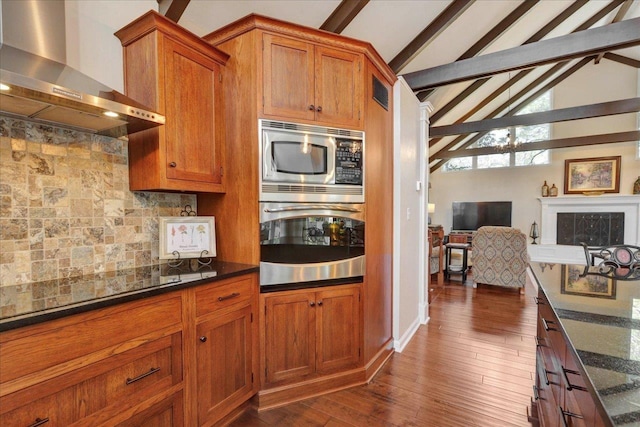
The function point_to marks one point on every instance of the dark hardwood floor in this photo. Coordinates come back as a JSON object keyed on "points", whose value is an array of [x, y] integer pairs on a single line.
{"points": [[472, 364]]}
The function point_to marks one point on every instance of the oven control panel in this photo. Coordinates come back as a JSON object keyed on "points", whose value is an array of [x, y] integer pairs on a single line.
{"points": [[348, 162]]}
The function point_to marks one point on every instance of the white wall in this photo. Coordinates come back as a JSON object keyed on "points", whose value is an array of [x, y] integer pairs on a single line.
{"points": [[409, 211], [91, 46], [604, 82]]}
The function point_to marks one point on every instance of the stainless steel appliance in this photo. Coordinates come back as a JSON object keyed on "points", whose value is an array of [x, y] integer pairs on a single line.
{"points": [[306, 244], [36, 83], [305, 163]]}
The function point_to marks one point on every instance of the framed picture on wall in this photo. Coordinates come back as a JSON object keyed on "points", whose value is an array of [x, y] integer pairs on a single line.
{"points": [[589, 286], [592, 176]]}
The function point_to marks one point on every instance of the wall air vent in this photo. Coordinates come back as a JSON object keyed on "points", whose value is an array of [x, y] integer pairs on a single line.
{"points": [[380, 93]]}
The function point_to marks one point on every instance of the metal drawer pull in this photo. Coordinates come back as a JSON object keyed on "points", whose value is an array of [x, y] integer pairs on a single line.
{"points": [[546, 322], [566, 414], [570, 386], [233, 295], [538, 301], [39, 422], [139, 377], [539, 342], [536, 396]]}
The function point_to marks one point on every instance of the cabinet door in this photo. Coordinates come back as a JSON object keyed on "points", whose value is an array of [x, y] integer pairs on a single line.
{"points": [[290, 339], [193, 109], [288, 78], [338, 91], [337, 329], [224, 364]]}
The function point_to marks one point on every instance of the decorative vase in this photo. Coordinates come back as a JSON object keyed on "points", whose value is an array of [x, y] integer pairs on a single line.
{"points": [[636, 186], [545, 189], [553, 191]]}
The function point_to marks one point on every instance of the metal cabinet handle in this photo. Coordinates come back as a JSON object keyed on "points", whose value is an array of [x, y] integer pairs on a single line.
{"points": [[312, 304], [320, 302], [570, 386], [139, 377], [312, 107], [538, 301], [203, 339], [536, 396], [540, 342], [546, 323], [39, 422], [319, 109], [173, 164], [566, 414], [233, 295], [311, 207]]}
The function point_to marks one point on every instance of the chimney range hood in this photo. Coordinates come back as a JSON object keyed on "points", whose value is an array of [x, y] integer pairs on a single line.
{"points": [[35, 87]]}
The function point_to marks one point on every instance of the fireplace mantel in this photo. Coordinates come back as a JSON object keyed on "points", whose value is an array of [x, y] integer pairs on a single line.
{"points": [[551, 206], [549, 251]]}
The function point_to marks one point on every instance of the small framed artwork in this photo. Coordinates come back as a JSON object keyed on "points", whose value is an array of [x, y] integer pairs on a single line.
{"points": [[596, 175], [588, 286], [190, 237]]}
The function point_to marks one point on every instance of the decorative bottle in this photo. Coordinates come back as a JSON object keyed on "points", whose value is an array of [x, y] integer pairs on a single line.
{"points": [[553, 191], [636, 186], [545, 189]]}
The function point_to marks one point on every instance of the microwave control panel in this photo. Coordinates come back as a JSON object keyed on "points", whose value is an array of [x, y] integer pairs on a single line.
{"points": [[348, 162]]}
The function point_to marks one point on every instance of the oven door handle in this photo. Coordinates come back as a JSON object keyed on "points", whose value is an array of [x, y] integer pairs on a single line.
{"points": [[311, 207]]}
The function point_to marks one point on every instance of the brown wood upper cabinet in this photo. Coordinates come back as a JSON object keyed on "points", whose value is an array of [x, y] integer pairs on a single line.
{"points": [[311, 82], [176, 73]]}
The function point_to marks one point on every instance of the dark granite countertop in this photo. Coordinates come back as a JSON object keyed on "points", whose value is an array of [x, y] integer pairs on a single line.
{"points": [[602, 322], [31, 303]]}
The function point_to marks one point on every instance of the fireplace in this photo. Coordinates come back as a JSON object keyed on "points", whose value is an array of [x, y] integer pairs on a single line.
{"points": [[550, 250], [594, 229]]}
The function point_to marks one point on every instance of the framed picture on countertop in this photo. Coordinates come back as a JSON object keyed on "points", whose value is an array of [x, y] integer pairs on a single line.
{"points": [[187, 237]]}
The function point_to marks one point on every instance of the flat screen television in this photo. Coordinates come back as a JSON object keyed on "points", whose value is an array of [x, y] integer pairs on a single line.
{"points": [[469, 216]]}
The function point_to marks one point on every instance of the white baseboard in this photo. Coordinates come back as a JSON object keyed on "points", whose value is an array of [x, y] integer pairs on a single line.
{"points": [[423, 310], [400, 344]]}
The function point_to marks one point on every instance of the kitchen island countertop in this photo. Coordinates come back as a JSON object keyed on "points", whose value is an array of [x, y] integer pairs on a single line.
{"points": [[602, 324], [31, 303]]}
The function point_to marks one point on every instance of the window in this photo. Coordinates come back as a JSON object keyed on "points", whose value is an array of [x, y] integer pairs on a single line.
{"points": [[501, 137]]}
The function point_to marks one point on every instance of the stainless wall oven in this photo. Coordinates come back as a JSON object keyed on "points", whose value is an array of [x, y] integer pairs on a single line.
{"points": [[306, 244]]}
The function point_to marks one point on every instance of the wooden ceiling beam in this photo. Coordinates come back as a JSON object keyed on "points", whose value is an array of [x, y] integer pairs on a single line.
{"points": [[172, 9], [619, 17], [426, 36], [566, 74], [623, 106], [550, 26], [342, 15], [576, 45], [490, 37], [578, 141], [622, 59]]}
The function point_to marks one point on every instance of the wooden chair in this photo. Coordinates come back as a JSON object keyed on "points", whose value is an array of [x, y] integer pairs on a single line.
{"points": [[436, 254]]}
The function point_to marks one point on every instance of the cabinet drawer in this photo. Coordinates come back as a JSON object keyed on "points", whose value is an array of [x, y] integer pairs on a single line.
{"points": [[33, 349], [224, 294], [122, 380]]}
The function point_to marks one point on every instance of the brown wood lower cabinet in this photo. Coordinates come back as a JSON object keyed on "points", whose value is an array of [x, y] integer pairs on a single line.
{"points": [[149, 362], [561, 395], [310, 333]]}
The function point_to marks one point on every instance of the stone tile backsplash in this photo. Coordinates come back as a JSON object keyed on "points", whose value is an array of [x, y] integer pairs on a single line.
{"points": [[65, 205]]}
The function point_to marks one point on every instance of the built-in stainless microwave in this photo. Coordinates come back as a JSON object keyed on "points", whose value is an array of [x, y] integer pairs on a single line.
{"points": [[306, 163]]}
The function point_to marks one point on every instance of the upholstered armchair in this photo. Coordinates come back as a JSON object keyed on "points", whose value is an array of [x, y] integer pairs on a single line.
{"points": [[436, 253], [500, 257]]}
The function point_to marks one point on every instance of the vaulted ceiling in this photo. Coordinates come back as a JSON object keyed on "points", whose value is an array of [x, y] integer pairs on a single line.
{"points": [[476, 61]]}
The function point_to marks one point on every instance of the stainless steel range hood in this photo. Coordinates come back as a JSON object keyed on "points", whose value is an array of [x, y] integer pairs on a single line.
{"points": [[46, 90]]}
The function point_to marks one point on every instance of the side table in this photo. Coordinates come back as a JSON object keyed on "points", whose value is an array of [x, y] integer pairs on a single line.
{"points": [[454, 269]]}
